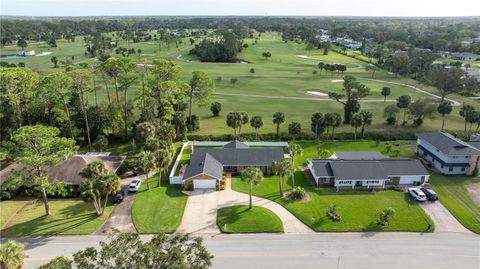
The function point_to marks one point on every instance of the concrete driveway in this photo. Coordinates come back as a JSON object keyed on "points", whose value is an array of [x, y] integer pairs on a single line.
{"points": [[200, 214], [443, 219]]}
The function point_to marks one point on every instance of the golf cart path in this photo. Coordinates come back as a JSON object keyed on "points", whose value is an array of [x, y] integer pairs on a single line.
{"points": [[444, 221], [200, 216], [121, 216]]}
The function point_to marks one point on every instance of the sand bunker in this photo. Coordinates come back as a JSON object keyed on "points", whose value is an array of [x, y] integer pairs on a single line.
{"points": [[44, 53], [317, 93], [337, 80]]}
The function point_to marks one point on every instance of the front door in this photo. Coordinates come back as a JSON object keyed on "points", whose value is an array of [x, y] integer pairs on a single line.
{"points": [[358, 183]]}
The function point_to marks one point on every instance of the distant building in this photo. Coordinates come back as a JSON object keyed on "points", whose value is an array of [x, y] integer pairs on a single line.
{"points": [[448, 154], [26, 53], [466, 56]]}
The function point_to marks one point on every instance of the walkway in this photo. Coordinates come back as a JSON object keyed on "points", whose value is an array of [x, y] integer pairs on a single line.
{"points": [[201, 211]]}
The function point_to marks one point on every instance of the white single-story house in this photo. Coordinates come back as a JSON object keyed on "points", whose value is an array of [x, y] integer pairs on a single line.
{"points": [[366, 170]]}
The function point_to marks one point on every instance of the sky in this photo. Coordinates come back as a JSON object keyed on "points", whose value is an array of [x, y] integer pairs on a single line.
{"points": [[410, 8]]}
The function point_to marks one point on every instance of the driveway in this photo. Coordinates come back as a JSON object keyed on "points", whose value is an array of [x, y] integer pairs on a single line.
{"points": [[200, 214], [121, 216], [443, 219]]}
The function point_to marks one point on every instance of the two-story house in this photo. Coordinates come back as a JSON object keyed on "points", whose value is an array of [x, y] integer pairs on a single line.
{"points": [[448, 154]]}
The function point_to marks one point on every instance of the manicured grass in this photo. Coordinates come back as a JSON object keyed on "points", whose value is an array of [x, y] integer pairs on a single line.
{"points": [[241, 219], [8, 209], [454, 196], [68, 216], [158, 210], [359, 209]]}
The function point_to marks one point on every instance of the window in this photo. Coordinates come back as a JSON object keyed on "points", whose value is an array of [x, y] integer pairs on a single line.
{"points": [[345, 182], [466, 157], [373, 181], [442, 165], [463, 169], [326, 180], [450, 169]]}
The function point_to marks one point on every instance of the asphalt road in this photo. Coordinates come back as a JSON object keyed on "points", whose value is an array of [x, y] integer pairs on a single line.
{"points": [[320, 250]]}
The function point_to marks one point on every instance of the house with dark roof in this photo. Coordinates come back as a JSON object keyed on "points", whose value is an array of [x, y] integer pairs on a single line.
{"points": [[448, 154], [207, 165], [366, 170], [69, 170]]}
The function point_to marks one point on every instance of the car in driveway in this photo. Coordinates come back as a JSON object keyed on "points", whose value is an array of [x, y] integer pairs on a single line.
{"points": [[134, 185], [431, 194], [119, 195], [417, 195]]}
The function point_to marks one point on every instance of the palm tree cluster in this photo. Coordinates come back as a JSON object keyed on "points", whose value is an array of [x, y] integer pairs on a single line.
{"points": [[339, 68]]}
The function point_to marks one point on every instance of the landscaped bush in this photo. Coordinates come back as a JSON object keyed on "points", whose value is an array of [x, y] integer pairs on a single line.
{"points": [[386, 216], [332, 213], [5, 195], [297, 193], [188, 186], [221, 185]]}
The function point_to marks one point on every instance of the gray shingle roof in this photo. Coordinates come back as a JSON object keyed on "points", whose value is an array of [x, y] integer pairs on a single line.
{"points": [[359, 169], [322, 167], [243, 156], [204, 164], [359, 155], [448, 144], [367, 169], [236, 145]]}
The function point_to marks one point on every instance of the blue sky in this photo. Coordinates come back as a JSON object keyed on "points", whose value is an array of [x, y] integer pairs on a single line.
{"points": [[241, 7]]}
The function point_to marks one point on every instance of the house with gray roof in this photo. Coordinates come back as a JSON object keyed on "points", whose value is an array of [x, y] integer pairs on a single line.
{"points": [[355, 171], [207, 165], [448, 154]]}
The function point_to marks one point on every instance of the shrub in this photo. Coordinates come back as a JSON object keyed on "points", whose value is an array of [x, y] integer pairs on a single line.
{"points": [[58, 189], [386, 216], [332, 213], [297, 193], [5, 195], [194, 125], [188, 186]]}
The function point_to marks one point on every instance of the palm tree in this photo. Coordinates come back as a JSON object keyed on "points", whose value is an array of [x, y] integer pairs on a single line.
{"points": [[256, 122], [12, 255], [145, 163], [366, 119], [444, 108], [356, 122], [465, 112], [282, 169], [335, 121], [164, 159], [295, 149], [278, 118], [254, 176]]}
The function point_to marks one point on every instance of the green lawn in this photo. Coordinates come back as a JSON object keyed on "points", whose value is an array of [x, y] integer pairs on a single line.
{"points": [[160, 209], [454, 196], [8, 209], [240, 219], [68, 216], [359, 209]]}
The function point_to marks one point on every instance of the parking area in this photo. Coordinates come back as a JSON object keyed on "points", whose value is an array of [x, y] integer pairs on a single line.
{"points": [[443, 219]]}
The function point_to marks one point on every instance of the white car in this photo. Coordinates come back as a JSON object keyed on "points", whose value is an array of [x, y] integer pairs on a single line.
{"points": [[417, 194], [134, 185]]}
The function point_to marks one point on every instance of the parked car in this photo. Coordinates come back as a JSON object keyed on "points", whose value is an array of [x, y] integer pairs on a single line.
{"points": [[119, 195], [134, 185], [431, 195], [417, 195]]}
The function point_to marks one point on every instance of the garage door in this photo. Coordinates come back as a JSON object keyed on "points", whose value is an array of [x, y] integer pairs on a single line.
{"points": [[409, 180], [204, 184]]}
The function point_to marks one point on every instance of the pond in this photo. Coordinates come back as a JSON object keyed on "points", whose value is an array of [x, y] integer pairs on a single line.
{"points": [[10, 57]]}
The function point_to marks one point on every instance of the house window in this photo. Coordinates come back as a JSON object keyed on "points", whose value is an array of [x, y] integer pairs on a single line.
{"points": [[450, 169], [442, 165], [466, 157], [463, 169], [326, 180], [373, 181], [344, 182]]}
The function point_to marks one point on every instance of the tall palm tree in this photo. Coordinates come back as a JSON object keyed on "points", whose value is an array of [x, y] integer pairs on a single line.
{"points": [[12, 255], [254, 176], [295, 149], [356, 122], [282, 169], [111, 184], [444, 108], [163, 159], [367, 117], [278, 118], [145, 163]]}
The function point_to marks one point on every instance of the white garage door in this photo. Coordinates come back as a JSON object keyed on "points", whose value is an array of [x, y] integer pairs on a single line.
{"points": [[204, 184], [409, 180]]}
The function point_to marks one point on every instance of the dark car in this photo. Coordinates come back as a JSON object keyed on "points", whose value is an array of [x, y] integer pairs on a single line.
{"points": [[119, 195], [431, 195]]}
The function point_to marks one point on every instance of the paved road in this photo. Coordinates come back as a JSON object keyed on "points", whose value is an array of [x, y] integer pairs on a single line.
{"points": [[320, 250], [201, 211]]}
